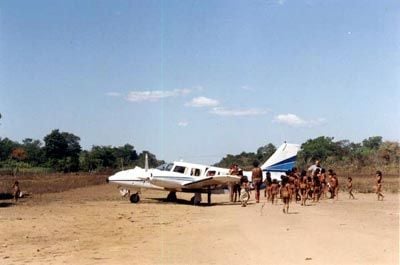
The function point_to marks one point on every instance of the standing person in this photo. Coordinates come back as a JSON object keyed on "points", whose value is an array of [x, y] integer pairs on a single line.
{"points": [[16, 190], [268, 182], [316, 185], [274, 190], [303, 187], [378, 179], [234, 170], [350, 187], [312, 168], [335, 186], [285, 194], [330, 182], [256, 177], [322, 178], [245, 190]]}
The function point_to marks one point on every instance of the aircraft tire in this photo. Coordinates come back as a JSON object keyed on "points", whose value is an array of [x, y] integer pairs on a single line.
{"points": [[134, 198]]}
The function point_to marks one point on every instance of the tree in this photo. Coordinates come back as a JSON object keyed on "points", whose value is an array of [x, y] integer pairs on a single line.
{"points": [[319, 148], [34, 151], [373, 142], [264, 152], [6, 147], [125, 155], [153, 161], [104, 155], [18, 154], [62, 150]]}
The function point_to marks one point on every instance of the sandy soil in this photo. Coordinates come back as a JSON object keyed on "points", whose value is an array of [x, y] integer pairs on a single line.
{"points": [[95, 226]]}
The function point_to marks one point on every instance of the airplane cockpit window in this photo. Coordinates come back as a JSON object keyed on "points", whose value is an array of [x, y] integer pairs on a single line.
{"points": [[165, 167], [179, 169]]}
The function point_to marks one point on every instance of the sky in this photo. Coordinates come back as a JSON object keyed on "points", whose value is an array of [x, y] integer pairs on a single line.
{"points": [[196, 80]]}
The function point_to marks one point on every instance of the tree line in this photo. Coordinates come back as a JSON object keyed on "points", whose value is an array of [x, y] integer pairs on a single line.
{"points": [[62, 152], [343, 154]]}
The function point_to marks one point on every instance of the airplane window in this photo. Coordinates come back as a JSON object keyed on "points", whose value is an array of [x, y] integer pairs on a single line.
{"points": [[169, 167], [179, 169], [165, 167], [195, 172], [211, 173]]}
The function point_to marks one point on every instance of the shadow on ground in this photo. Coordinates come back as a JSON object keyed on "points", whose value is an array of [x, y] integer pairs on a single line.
{"points": [[6, 204], [184, 202]]}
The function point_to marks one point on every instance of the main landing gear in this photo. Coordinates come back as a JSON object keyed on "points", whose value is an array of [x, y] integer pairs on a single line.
{"points": [[196, 199], [171, 196], [134, 198]]}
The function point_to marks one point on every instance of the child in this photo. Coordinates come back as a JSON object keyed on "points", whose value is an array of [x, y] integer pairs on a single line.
{"points": [[268, 182], [350, 187], [335, 186], [274, 190], [379, 184], [244, 194], [16, 190], [285, 195]]}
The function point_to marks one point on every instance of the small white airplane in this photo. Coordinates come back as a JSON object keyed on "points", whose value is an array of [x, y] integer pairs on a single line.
{"points": [[195, 178]]}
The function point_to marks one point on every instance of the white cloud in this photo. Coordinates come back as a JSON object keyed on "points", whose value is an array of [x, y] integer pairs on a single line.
{"points": [[113, 94], [183, 123], [295, 121], [280, 2], [202, 102], [238, 112], [155, 95]]}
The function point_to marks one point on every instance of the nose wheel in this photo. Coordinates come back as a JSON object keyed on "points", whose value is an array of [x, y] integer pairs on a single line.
{"points": [[134, 198]]}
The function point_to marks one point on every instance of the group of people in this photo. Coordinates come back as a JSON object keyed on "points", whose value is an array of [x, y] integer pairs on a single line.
{"points": [[300, 186]]}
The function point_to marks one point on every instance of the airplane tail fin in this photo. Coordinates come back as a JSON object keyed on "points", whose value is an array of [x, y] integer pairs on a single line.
{"points": [[283, 159]]}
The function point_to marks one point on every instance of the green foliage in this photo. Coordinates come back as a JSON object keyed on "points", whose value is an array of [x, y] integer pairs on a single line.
{"points": [[153, 162], [320, 148], [372, 143], [245, 160], [35, 153], [6, 147], [62, 151]]}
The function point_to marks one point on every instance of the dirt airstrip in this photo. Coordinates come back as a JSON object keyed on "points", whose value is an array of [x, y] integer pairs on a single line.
{"points": [[96, 226]]}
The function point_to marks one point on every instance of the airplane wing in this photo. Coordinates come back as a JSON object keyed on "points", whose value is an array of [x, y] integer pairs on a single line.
{"points": [[211, 181]]}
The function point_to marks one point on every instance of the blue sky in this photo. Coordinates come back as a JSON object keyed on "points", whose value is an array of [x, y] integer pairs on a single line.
{"points": [[196, 80]]}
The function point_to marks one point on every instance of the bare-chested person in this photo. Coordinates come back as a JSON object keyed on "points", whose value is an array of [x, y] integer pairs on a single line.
{"points": [[234, 170], [268, 182], [285, 193], [16, 190], [329, 183], [322, 179], [274, 190], [378, 180], [256, 178], [303, 187], [335, 186], [296, 183], [316, 185], [350, 187]]}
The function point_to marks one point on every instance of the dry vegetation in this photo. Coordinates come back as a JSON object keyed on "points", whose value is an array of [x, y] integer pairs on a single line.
{"points": [[58, 182], [50, 183]]}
